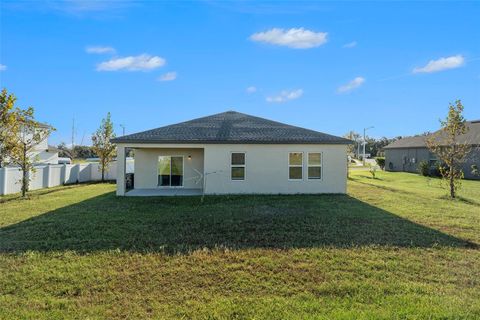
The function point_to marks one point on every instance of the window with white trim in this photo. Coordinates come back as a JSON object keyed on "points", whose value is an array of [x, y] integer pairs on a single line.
{"points": [[314, 166], [237, 167], [295, 166]]}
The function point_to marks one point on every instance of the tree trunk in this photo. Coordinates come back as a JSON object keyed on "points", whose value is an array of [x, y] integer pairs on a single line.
{"points": [[24, 182], [24, 173], [452, 183], [103, 171]]}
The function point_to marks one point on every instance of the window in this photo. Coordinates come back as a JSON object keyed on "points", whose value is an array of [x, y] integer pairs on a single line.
{"points": [[433, 160], [295, 166], [237, 166], [170, 171], [314, 166]]}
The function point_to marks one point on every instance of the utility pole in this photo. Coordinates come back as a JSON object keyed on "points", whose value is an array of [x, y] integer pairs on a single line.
{"points": [[364, 143], [123, 129], [83, 137]]}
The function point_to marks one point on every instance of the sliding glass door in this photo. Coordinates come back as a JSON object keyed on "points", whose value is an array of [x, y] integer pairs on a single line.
{"points": [[170, 171]]}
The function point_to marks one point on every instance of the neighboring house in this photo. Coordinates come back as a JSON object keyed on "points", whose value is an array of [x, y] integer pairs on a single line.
{"points": [[405, 154], [42, 153], [49, 155], [233, 153]]}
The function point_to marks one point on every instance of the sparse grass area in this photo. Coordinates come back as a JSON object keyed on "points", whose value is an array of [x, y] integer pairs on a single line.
{"points": [[393, 248]]}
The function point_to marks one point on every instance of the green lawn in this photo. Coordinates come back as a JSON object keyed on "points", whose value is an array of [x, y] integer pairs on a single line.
{"points": [[393, 248]]}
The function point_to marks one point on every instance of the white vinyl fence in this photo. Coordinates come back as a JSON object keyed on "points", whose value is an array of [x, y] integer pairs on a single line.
{"points": [[52, 175]]}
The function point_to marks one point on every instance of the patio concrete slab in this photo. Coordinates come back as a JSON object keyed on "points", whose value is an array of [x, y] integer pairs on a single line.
{"points": [[164, 192]]}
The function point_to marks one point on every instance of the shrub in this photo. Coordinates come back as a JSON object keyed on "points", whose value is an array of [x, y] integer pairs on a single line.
{"points": [[475, 170], [390, 165], [424, 168], [372, 170], [437, 168], [381, 162]]}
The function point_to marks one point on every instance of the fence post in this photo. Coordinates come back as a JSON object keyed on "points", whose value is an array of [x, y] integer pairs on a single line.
{"points": [[47, 172], [63, 174], [3, 178]]}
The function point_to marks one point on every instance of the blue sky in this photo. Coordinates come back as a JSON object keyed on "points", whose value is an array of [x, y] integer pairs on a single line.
{"points": [[332, 67]]}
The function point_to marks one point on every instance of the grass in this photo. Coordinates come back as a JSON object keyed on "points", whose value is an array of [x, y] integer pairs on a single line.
{"points": [[393, 248]]}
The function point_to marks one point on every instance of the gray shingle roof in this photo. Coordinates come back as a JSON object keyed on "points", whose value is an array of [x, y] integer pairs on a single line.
{"points": [[408, 142], [231, 127], [472, 137]]}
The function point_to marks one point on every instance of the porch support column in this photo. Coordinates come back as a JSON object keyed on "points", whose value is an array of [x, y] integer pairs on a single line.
{"points": [[121, 168]]}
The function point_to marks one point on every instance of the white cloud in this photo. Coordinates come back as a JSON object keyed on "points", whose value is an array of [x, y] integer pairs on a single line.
{"points": [[3, 67], [298, 38], [169, 76], [355, 83], [350, 44], [143, 62], [251, 89], [285, 95], [99, 49], [441, 64]]}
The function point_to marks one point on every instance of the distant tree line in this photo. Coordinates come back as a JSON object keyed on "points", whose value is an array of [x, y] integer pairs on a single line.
{"points": [[78, 152], [81, 152], [373, 147]]}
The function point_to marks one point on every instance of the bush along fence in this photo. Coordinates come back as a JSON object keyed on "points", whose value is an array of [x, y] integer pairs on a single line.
{"points": [[46, 176]]}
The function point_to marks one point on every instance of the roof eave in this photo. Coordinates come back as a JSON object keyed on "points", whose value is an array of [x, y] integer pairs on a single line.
{"points": [[143, 141]]}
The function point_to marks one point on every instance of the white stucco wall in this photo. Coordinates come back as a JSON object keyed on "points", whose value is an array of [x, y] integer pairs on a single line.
{"points": [[267, 169], [146, 162], [46, 157]]}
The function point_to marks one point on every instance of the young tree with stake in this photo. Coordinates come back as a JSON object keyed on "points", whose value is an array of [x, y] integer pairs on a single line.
{"points": [[450, 151], [102, 145]]}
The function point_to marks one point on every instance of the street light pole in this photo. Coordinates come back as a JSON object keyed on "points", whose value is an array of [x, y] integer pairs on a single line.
{"points": [[358, 148], [123, 129], [364, 143]]}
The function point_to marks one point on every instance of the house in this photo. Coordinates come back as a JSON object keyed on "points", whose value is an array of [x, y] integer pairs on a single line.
{"points": [[42, 153], [405, 154], [233, 153]]}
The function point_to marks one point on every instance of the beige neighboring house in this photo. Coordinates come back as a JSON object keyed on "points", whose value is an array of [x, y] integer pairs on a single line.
{"points": [[233, 153]]}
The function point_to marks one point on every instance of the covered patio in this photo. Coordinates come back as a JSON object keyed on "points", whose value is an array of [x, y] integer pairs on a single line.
{"points": [[161, 170]]}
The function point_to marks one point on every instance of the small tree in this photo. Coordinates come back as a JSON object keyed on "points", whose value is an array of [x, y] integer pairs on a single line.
{"points": [[64, 151], [102, 145], [9, 124], [352, 148], [20, 134], [372, 170], [450, 151], [380, 162]]}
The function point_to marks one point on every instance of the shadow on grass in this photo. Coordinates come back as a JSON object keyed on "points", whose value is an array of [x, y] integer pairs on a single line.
{"points": [[176, 225], [18, 196], [383, 187]]}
